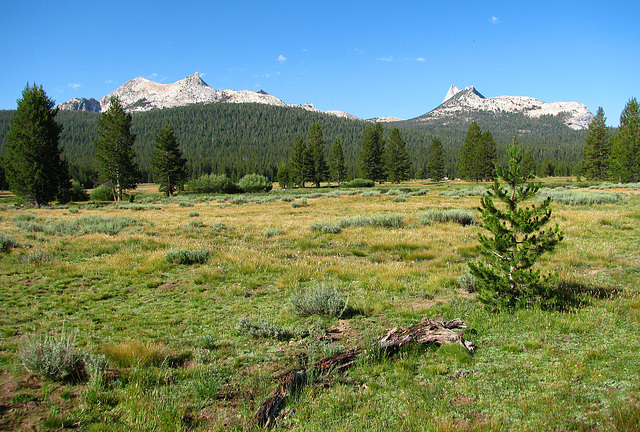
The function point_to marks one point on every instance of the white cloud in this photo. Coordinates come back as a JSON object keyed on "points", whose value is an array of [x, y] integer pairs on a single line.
{"points": [[152, 76], [495, 20], [281, 58], [74, 85], [385, 59], [421, 59]]}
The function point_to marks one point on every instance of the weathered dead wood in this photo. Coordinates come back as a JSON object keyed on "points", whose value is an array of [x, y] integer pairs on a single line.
{"points": [[425, 332]]}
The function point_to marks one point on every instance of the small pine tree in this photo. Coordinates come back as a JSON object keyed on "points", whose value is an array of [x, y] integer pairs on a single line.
{"points": [[338, 168], [371, 153], [595, 156], [34, 167], [169, 167], [114, 150], [317, 169], [297, 163], [625, 149], [506, 279], [487, 157], [284, 175], [436, 160], [529, 163], [397, 162], [468, 167]]}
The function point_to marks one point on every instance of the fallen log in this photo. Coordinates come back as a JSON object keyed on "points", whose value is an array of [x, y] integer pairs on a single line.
{"points": [[425, 332]]}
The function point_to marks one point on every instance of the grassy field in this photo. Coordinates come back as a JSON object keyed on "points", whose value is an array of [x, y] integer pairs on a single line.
{"points": [[182, 311]]}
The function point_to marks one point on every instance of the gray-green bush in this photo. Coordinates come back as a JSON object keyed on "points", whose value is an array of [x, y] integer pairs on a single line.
{"points": [[53, 356], [263, 329], [459, 216], [320, 299], [377, 220], [255, 183]]}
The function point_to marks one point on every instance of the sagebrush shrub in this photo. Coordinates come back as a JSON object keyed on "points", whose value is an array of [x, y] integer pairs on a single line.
{"points": [[459, 216], [319, 300], [53, 356], [6, 242], [263, 329], [358, 183]]}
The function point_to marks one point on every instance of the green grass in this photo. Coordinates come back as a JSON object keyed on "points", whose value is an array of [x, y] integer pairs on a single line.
{"points": [[199, 346]]}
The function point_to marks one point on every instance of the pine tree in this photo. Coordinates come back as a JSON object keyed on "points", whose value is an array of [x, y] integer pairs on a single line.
{"points": [[169, 167], [436, 160], [595, 156], [371, 153], [114, 150], [468, 167], [397, 162], [318, 170], [487, 157], [337, 167], [297, 162], [284, 175], [625, 149], [529, 163], [506, 278], [34, 167]]}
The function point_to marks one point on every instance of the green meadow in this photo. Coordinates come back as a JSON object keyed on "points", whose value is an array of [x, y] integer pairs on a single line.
{"points": [[180, 314]]}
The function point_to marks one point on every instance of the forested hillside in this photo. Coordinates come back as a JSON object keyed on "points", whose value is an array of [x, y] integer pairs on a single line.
{"points": [[237, 139]]}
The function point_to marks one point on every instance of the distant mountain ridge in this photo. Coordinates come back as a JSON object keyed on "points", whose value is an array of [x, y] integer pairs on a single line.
{"points": [[141, 94], [467, 103]]}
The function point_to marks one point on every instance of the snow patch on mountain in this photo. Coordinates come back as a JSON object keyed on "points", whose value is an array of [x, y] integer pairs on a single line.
{"points": [[463, 102], [141, 94]]}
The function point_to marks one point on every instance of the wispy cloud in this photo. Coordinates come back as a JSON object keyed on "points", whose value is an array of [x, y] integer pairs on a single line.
{"points": [[74, 85], [281, 58], [495, 20], [421, 59], [385, 59]]}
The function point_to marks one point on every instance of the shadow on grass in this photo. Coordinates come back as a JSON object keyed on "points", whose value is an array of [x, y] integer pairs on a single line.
{"points": [[566, 294]]}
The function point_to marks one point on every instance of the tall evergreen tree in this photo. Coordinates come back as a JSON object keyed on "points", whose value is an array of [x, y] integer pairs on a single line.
{"points": [[468, 164], [371, 153], [625, 150], [397, 162], [169, 167], [297, 162], [114, 150], [435, 164], [318, 170], [337, 167], [34, 167], [487, 157], [595, 156], [506, 278]]}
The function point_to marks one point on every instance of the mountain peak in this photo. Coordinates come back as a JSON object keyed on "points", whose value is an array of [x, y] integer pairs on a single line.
{"points": [[469, 104]]}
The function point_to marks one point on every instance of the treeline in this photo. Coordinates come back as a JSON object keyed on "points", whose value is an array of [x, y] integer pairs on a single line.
{"points": [[239, 139]]}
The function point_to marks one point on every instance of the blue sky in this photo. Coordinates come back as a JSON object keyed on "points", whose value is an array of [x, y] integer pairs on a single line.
{"points": [[368, 58]]}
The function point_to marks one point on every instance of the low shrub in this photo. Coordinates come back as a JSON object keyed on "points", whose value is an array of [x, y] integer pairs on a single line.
{"points": [[467, 282], [358, 183], [572, 197], [271, 232], [263, 329], [459, 216], [319, 300], [185, 256], [78, 193], [255, 183], [102, 193], [377, 220], [6, 242], [193, 214], [53, 356], [326, 227], [211, 183]]}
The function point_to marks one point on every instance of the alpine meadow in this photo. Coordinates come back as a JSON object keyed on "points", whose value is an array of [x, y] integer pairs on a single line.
{"points": [[231, 266]]}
